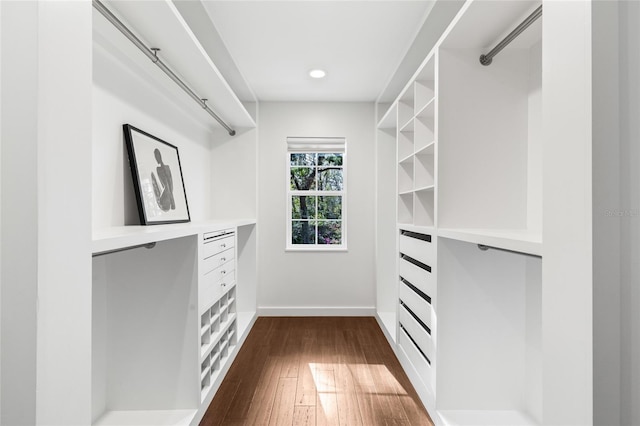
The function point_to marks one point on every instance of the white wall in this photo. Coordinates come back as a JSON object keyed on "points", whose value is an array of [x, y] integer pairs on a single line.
{"points": [[121, 96], [233, 174], [316, 283]]}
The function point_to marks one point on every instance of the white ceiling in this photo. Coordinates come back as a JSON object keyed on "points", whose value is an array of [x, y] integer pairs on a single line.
{"points": [[360, 44]]}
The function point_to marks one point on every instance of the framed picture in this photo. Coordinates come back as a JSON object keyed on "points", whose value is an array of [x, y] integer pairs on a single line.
{"points": [[157, 178]]}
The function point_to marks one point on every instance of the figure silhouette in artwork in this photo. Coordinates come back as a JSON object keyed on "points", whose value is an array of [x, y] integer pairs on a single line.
{"points": [[164, 189]]}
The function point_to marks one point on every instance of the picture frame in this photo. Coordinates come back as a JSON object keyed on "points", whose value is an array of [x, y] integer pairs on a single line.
{"points": [[157, 178]]}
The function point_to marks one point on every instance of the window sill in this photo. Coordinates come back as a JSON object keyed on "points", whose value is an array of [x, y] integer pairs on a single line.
{"points": [[316, 249]]}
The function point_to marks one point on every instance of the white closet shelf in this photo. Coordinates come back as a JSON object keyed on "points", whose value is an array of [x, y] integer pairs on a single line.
{"points": [[407, 159], [427, 110], [159, 24], [146, 418], [425, 188], [407, 127], [121, 237], [428, 149], [485, 418], [420, 229], [509, 239], [388, 120]]}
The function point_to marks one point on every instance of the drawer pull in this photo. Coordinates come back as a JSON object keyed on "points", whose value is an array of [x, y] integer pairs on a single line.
{"points": [[223, 272], [223, 259], [223, 245]]}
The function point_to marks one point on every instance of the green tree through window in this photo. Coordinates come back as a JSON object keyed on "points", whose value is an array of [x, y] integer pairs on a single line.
{"points": [[316, 191]]}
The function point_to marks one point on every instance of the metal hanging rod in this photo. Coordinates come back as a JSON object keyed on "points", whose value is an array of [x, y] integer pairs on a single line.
{"points": [[152, 54], [102, 253], [487, 58], [485, 248]]}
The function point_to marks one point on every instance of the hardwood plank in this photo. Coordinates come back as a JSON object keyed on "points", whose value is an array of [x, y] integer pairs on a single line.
{"points": [[220, 405], [327, 402], [306, 386], [284, 403], [304, 415], [264, 396]]}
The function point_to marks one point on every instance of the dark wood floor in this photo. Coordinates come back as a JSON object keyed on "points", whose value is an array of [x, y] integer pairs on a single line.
{"points": [[316, 371]]}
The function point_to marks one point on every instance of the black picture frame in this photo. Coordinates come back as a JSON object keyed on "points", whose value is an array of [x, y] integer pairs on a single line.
{"points": [[157, 178]]}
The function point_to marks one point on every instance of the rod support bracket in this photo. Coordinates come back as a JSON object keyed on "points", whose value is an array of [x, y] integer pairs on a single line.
{"points": [[155, 54]]}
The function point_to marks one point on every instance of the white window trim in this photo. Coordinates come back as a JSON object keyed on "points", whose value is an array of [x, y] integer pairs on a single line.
{"points": [[316, 145]]}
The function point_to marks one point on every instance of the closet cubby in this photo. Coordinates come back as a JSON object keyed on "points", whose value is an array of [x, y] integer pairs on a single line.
{"points": [[145, 336], [489, 335], [405, 207], [405, 175], [489, 124], [424, 207]]}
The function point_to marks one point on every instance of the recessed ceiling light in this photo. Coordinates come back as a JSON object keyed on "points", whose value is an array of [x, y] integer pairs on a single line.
{"points": [[317, 73]]}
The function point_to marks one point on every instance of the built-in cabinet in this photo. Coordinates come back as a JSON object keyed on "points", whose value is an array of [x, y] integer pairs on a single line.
{"points": [[468, 315], [172, 303]]}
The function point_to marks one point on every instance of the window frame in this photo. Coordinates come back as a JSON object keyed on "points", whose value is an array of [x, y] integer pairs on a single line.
{"points": [[290, 193]]}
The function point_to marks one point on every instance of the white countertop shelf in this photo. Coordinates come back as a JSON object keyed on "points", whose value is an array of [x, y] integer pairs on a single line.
{"points": [[159, 24], [522, 241], [120, 237]]}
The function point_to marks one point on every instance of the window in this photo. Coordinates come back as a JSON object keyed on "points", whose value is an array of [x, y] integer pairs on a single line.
{"points": [[316, 193]]}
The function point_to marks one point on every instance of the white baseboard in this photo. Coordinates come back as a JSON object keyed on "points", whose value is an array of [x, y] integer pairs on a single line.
{"points": [[316, 312]]}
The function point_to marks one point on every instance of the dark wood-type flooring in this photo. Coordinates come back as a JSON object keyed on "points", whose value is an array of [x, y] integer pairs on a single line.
{"points": [[316, 371]]}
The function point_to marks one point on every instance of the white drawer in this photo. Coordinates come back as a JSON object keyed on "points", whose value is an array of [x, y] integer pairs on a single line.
{"points": [[213, 285], [217, 260], [213, 247], [416, 303], [421, 250], [421, 278], [420, 364], [422, 339]]}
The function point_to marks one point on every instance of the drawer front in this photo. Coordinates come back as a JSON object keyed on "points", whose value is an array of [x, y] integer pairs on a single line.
{"points": [[424, 251], [419, 277], [416, 303], [420, 364], [217, 260], [211, 248], [422, 339], [213, 285], [208, 292]]}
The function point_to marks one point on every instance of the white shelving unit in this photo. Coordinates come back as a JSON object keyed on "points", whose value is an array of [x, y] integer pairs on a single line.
{"points": [[416, 145], [469, 174], [156, 360]]}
